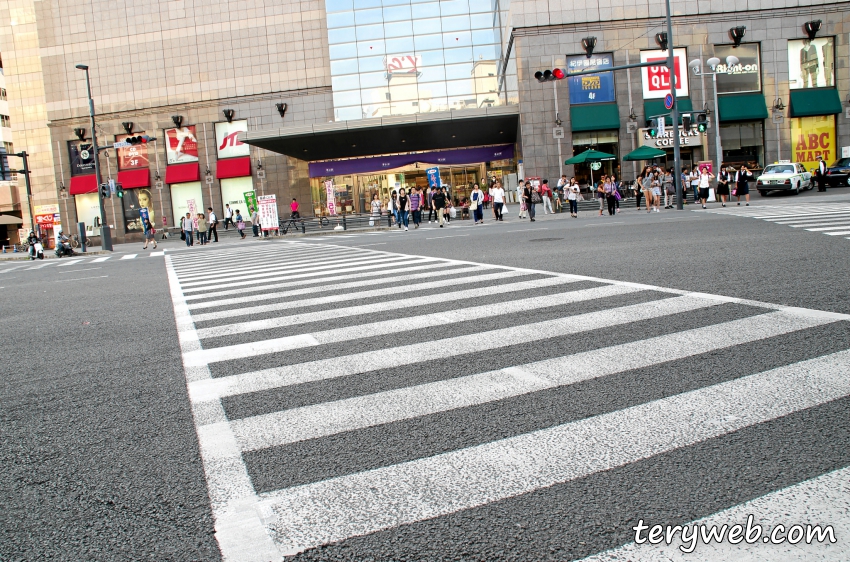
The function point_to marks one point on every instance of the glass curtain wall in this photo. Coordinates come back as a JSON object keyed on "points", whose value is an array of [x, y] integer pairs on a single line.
{"points": [[397, 57]]}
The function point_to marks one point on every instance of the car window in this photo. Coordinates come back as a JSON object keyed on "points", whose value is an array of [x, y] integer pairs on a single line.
{"points": [[779, 169], [842, 162]]}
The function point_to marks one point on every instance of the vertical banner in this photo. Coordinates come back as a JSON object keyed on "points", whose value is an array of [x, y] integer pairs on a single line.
{"points": [[251, 200], [268, 212], [143, 215], [331, 197], [813, 137], [433, 175], [190, 204]]}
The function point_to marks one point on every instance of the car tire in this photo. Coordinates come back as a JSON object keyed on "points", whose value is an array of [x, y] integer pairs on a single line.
{"points": [[763, 193], [797, 190]]}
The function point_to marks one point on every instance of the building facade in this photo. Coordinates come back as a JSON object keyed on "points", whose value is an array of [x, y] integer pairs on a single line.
{"points": [[334, 102]]}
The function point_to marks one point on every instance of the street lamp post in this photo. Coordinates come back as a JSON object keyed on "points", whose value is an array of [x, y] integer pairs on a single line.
{"points": [[713, 62], [105, 235]]}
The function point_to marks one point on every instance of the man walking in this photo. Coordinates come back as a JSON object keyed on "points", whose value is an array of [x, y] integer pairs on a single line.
{"points": [[820, 174], [228, 216], [213, 225], [431, 211], [438, 205], [498, 200]]}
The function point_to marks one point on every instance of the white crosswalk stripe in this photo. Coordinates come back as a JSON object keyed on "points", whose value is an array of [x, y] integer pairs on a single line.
{"points": [[318, 326], [830, 220]]}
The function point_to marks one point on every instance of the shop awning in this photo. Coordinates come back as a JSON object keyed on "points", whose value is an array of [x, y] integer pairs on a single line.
{"points": [[593, 117], [135, 178], [393, 134], [182, 173], [821, 101], [83, 184], [742, 107], [654, 108], [233, 168]]}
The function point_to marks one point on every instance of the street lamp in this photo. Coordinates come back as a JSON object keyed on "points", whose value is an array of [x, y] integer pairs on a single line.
{"points": [[105, 235], [713, 62]]}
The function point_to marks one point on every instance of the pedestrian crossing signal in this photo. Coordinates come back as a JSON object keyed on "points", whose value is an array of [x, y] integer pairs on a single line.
{"points": [[119, 191], [702, 122]]}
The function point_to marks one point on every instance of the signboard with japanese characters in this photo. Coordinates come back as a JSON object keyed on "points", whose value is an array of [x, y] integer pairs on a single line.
{"points": [[656, 79], [595, 87], [331, 197], [268, 212], [227, 143], [181, 145]]}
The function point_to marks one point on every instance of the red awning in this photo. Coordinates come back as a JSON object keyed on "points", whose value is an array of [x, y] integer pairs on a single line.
{"points": [[233, 168], [83, 184], [182, 173], [135, 178]]}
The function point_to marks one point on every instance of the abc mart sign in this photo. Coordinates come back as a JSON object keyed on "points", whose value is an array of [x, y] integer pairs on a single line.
{"points": [[691, 138]]}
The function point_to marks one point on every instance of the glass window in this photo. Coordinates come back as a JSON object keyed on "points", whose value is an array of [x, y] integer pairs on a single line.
{"points": [[338, 5], [457, 39], [426, 10], [428, 25], [432, 73], [370, 32], [344, 66], [373, 79], [397, 13], [398, 29], [481, 21], [396, 2], [457, 71], [435, 90], [346, 98], [481, 6], [370, 48], [454, 7], [365, 17], [462, 54], [483, 37], [347, 82], [426, 42], [401, 45], [361, 4], [369, 64], [374, 96], [348, 113], [431, 58], [485, 52], [456, 23], [340, 51], [341, 19], [342, 35]]}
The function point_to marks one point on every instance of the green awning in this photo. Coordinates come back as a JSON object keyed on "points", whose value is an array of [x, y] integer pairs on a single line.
{"points": [[656, 107], [593, 117], [820, 101], [742, 107]]}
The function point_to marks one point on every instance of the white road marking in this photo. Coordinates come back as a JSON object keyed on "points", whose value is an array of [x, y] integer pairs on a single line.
{"points": [[826, 229], [41, 265], [67, 263], [450, 236], [243, 269], [375, 244], [84, 269], [129, 256], [157, 254], [99, 260], [81, 278]]}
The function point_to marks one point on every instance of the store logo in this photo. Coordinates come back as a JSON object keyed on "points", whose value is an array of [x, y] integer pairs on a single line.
{"points": [[231, 140], [659, 76]]}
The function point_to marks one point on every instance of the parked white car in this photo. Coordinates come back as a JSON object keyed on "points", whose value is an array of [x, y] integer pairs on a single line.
{"points": [[784, 176]]}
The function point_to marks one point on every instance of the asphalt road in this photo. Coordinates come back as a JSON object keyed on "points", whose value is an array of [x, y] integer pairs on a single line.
{"points": [[465, 393]]}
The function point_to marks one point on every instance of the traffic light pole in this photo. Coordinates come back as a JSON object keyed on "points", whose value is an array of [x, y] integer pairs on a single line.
{"points": [[677, 152], [26, 171], [105, 234]]}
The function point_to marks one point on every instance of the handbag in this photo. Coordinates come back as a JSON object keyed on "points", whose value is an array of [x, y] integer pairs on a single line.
{"points": [[617, 195], [504, 209], [734, 192], [240, 225]]}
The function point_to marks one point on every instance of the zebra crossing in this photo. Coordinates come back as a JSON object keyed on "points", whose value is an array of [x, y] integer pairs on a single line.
{"points": [[68, 262], [341, 393], [832, 220]]}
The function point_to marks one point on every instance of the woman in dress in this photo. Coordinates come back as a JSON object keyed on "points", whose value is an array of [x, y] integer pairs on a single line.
{"points": [[646, 187], [742, 186], [393, 206], [657, 178], [704, 184], [150, 234], [610, 198], [376, 210], [669, 188], [573, 191], [723, 184]]}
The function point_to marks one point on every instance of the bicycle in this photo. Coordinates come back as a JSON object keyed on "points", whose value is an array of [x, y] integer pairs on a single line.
{"points": [[75, 241]]}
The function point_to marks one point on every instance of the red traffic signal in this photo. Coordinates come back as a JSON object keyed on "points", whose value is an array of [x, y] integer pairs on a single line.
{"points": [[559, 74], [549, 75], [140, 139]]}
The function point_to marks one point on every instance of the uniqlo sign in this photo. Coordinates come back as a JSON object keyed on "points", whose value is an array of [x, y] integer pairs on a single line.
{"points": [[656, 79]]}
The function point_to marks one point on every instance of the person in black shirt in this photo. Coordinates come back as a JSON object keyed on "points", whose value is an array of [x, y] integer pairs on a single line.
{"points": [[438, 204]]}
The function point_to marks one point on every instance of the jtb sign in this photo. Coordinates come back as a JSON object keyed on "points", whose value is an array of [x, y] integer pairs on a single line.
{"points": [[656, 79], [813, 137]]}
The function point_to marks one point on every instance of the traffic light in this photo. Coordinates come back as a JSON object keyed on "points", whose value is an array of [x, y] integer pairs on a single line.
{"points": [[119, 191], [104, 190], [549, 75], [702, 122], [139, 139], [686, 122], [653, 132]]}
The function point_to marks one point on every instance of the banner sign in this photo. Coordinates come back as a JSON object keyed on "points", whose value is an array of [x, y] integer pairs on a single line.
{"points": [[268, 212], [591, 88], [133, 201], [81, 157], [227, 143], [134, 156], [813, 137], [181, 145], [48, 220], [656, 79], [744, 76], [331, 197], [665, 140], [811, 64], [250, 198], [46, 209], [440, 158], [143, 215], [433, 175]]}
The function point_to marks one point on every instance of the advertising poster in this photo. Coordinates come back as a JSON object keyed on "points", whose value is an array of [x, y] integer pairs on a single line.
{"points": [[744, 76], [433, 175], [88, 210], [656, 79], [233, 193], [591, 88], [268, 212], [143, 214], [811, 64], [331, 197], [251, 200], [227, 145], [181, 145], [135, 199], [185, 198], [812, 137], [81, 157], [132, 157]]}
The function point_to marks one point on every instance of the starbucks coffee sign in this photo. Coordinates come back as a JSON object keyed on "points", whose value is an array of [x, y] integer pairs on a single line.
{"points": [[665, 139]]}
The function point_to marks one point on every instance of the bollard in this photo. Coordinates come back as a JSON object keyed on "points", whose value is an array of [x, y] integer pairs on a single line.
{"points": [[344, 224], [14, 248], [4, 248], [303, 228]]}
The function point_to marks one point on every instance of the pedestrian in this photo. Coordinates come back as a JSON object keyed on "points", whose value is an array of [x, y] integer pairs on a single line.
{"points": [[820, 173], [213, 225], [646, 186], [669, 188], [228, 216], [416, 206], [742, 186], [450, 211], [610, 198], [255, 221], [694, 177], [546, 197], [573, 193], [616, 191], [403, 212], [639, 186], [438, 205], [486, 198], [723, 181], [195, 231], [202, 229], [187, 225], [705, 177], [293, 209], [476, 204], [150, 234], [432, 211], [657, 183], [530, 196], [498, 200], [686, 181], [392, 206], [240, 224]]}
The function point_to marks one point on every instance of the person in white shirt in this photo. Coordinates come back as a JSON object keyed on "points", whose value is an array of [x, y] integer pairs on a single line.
{"points": [[212, 225], [498, 195], [704, 184], [523, 213], [694, 177], [820, 172], [573, 192], [187, 225], [228, 216]]}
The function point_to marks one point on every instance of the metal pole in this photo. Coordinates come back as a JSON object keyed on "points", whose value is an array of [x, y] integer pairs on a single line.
{"points": [[23, 155], [677, 154], [105, 235], [557, 117], [62, 181], [717, 127], [631, 108]]}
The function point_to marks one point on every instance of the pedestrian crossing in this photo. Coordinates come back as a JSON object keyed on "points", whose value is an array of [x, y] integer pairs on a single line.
{"points": [[64, 262], [832, 220], [345, 394]]}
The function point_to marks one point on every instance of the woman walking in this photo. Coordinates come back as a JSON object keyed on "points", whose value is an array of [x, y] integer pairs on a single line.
{"points": [[723, 184], [608, 190], [742, 186], [202, 230], [639, 186], [476, 204], [704, 184], [657, 178], [669, 189], [573, 191], [150, 234], [240, 224], [403, 208], [375, 207], [392, 206], [528, 201], [646, 186], [416, 206]]}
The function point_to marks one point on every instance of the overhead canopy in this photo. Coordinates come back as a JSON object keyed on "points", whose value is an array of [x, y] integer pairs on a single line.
{"points": [[233, 168], [83, 184], [742, 107], [644, 153], [590, 155], [10, 219], [182, 173], [392, 134], [810, 102], [593, 117], [654, 108], [134, 178]]}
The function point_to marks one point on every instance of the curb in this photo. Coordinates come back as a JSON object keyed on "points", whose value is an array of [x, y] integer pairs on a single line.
{"points": [[25, 257]]}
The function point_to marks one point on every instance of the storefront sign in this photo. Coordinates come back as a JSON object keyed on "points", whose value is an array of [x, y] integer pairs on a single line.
{"points": [[330, 197], [132, 157], [45, 209], [81, 157], [226, 139], [433, 175], [691, 138], [48, 220], [656, 79], [181, 145], [402, 64], [135, 199], [591, 88], [742, 77], [268, 212], [811, 64], [813, 137]]}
